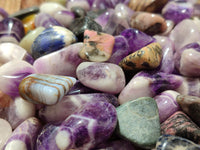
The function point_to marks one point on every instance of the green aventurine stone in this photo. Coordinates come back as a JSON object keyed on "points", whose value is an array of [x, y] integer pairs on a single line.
{"points": [[138, 121]]}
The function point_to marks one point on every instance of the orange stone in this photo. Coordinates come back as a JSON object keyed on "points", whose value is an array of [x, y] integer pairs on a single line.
{"points": [[28, 23]]}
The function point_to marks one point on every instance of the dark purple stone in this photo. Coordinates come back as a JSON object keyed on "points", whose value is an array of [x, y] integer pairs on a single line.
{"points": [[11, 30], [3, 13], [136, 39]]}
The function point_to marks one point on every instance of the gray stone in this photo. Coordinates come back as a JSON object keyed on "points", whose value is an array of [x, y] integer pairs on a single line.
{"points": [[138, 121]]}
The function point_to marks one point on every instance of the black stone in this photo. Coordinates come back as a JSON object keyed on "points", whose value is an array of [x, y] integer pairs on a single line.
{"points": [[78, 12], [81, 24]]}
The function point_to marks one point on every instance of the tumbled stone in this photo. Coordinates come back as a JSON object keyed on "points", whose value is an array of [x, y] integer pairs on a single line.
{"points": [[51, 8], [97, 47], [52, 39], [138, 121], [78, 12], [170, 142], [180, 124], [29, 38], [5, 100], [148, 57], [61, 62], [191, 106], [44, 88], [79, 26], [105, 77], [148, 22], [28, 23]]}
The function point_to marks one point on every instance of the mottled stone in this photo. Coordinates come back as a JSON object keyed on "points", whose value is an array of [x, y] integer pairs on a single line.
{"points": [[44, 88], [97, 47], [29, 23], [167, 104], [105, 77], [61, 62], [180, 124], [148, 57], [191, 106], [138, 121], [29, 38], [79, 26], [170, 142], [149, 23], [52, 39], [5, 100]]}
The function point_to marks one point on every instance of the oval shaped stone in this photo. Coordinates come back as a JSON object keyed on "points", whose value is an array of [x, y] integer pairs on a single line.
{"points": [[29, 23], [138, 121], [51, 7], [105, 77], [52, 39], [148, 57], [97, 47], [44, 88]]}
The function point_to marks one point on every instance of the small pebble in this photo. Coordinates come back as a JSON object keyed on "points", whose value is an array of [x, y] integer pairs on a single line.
{"points": [[29, 23]]}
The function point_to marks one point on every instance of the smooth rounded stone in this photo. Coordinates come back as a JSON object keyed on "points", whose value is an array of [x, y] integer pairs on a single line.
{"points": [[5, 130], [178, 34], [170, 142], [45, 88], [120, 50], [25, 135], [180, 124], [191, 106], [11, 75], [187, 60], [45, 20], [78, 12], [149, 23], [150, 84], [149, 57], [5, 100], [105, 77], [62, 62], [29, 23], [64, 17], [78, 3], [178, 11], [170, 25], [97, 47], [18, 111], [51, 8], [24, 12], [91, 125], [167, 104], [11, 30], [29, 38], [138, 121], [11, 51], [70, 103], [79, 25], [167, 64], [50, 40], [136, 39]]}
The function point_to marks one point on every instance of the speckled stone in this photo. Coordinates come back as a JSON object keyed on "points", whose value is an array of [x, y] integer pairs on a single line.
{"points": [[138, 121], [191, 106], [170, 142], [180, 124], [97, 47]]}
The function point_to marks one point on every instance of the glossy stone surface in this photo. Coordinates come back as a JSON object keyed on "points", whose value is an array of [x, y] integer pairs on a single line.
{"points": [[149, 57], [11, 51], [5, 100], [78, 12], [70, 103], [79, 26], [51, 8], [11, 30], [29, 23], [97, 47], [149, 23], [25, 135], [138, 121], [93, 128], [191, 106], [11, 75], [136, 39], [29, 38], [169, 142], [44, 88], [23, 12], [52, 39], [180, 124], [105, 77], [61, 62], [167, 104]]}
